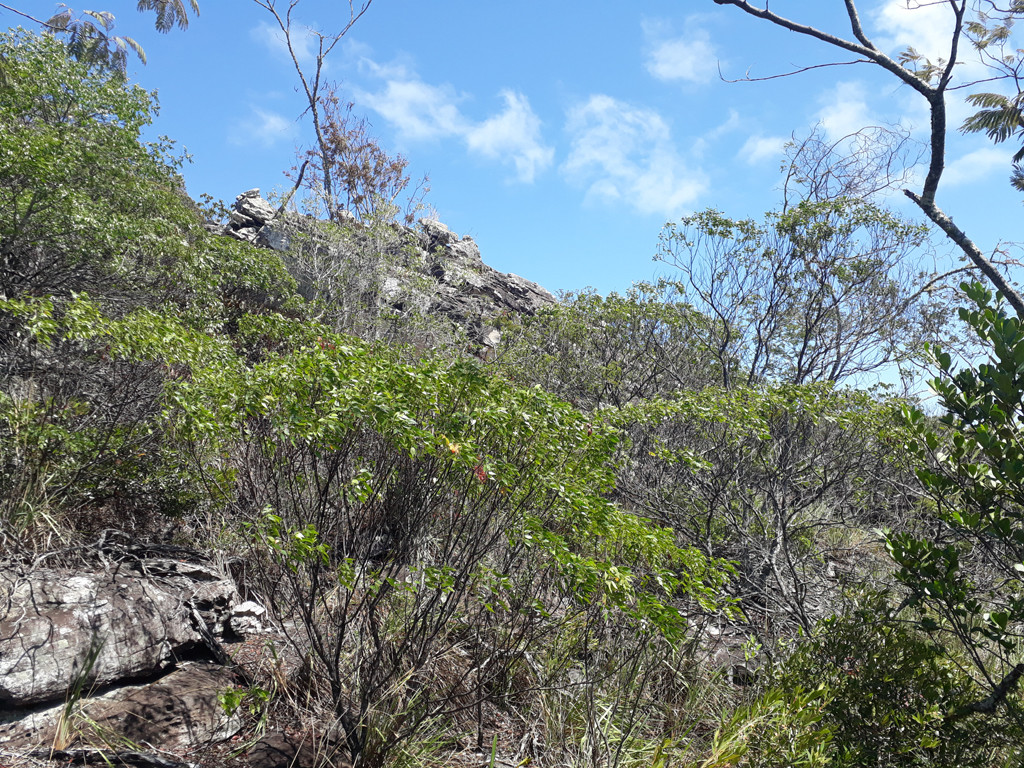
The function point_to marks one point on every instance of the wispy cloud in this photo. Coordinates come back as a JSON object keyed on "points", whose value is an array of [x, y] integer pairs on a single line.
{"points": [[977, 165], [622, 153], [272, 38], [688, 57], [417, 110], [420, 111], [263, 127], [758, 149], [844, 110], [514, 136], [925, 27]]}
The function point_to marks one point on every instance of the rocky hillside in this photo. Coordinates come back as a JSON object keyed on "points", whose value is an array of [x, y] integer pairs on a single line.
{"points": [[428, 267], [268, 496]]}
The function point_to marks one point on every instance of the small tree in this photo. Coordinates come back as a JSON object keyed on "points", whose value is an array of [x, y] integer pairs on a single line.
{"points": [[964, 573], [822, 292], [366, 181], [311, 78], [600, 351], [84, 201]]}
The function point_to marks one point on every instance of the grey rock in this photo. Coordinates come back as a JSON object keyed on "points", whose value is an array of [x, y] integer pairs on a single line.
{"points": [[248, 234], [247, 618], [179, 711], [276, 235], [345, 218], [465, 249], [431, 267], [290, 750], [252, 206], [437, 234], [491, 337], [391, 288], [238, 220], [134, 624], [214, 228]]}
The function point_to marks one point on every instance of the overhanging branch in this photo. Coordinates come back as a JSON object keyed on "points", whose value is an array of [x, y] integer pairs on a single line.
{"points": [[957, 235], [990, 703]]}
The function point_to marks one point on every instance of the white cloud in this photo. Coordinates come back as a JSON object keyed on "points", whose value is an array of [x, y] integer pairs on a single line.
{"points": [[927, 27], [700, 146], [273, 39], [513, 135], [924, 26], [263, 127], [419, 111], [625, 154], [689, 57], [844, 110], [977, 165], [758, 149]]}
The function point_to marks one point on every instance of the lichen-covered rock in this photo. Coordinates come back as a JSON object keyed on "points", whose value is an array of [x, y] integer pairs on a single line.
{"points": [[179, 711], [436, 234], [107, 627], [446, 275], [251, 210]]}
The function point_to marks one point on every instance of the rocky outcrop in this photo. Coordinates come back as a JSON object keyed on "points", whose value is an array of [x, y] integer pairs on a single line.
{"points": [[108, 626], [430, 266], [127, 652], [175, 713]]}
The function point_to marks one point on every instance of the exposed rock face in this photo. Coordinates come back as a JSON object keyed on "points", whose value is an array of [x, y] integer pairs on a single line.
{"points": [[177, 712], [249, 214], [289, 750], [136, 639], [53, 621], [459, 284]]}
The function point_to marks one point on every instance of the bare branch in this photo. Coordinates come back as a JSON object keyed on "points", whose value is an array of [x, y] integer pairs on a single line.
{"points": [[748, 79], [954, 233], [989, 704], [311, 83], [934, 94], [30, 18], [858, 30], [871, 53]]}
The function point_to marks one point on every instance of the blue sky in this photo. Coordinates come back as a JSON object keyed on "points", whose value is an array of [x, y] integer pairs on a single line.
{"points": [[560, 136]]}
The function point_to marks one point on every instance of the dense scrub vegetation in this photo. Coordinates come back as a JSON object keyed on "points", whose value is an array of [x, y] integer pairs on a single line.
{"points": [[660, 528]]}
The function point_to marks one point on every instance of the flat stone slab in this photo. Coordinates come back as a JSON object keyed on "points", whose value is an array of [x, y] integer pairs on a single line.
{"points": [[177, 712]]}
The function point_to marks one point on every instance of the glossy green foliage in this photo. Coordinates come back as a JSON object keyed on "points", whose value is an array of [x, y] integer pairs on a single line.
{"points": [[84, 201], [87, 206], [303, 386], [890, 688], [965, 577]]}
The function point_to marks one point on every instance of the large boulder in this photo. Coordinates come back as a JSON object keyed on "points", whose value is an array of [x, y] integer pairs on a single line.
{"points": [[124, 623], [175, 713], [119, 655]]}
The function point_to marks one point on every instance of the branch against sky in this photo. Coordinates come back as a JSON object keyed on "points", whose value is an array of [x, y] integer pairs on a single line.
{"points": [[312, 78], [931, 81]]}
